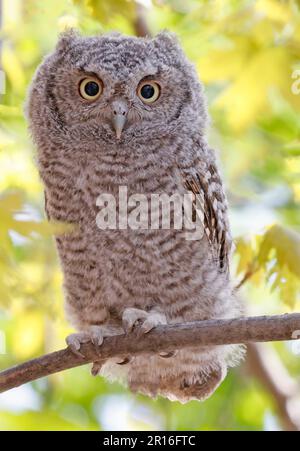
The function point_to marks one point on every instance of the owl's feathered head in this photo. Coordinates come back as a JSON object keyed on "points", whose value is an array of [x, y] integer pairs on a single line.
{"points": [[115, 89]]}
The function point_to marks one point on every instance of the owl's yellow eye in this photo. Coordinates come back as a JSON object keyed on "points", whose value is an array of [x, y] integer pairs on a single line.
{"points": [[148, 91], [90, 88]]}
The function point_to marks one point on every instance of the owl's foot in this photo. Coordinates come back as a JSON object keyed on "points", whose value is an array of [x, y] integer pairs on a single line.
{"points": [[132, 317], [95, 335]]}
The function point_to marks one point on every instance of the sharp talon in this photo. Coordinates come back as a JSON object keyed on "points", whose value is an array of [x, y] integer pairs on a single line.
{"points": [[167, 355], [76, 352], [139, 332], [74, 342], [141, 320], [145, 328], [97, 342], [127, 327], [125, 361], [96, 368]]}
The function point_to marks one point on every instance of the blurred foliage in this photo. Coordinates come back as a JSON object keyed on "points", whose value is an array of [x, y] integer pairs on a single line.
{"points": [[247, 53]]}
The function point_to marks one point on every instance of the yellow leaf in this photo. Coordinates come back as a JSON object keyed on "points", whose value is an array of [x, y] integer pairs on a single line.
{"points": [[244, 100], [225, 64], [274, 10], [258, 277], [246, 255], [13, 70], [10, 111], [28, 337], [11, 202], [289, 287], [296, 191], [286, 244]]}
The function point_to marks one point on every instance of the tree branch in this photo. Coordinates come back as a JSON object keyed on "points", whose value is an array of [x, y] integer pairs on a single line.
{"points": [[264, 363], [162, 338]]}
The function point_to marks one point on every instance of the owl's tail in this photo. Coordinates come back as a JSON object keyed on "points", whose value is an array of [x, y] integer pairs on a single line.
{"points": [[192, 374]]}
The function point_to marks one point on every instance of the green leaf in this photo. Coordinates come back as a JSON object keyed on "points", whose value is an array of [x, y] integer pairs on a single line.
{"points": [[286, 244]]}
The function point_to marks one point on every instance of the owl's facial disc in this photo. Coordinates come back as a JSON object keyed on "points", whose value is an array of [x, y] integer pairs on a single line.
{"points": [[119, 111]]}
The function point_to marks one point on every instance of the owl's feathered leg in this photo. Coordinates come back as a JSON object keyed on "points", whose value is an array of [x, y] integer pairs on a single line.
{"points": [[94, 334]]}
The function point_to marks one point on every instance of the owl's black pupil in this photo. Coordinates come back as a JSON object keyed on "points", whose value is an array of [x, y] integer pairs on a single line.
{"points": [[147, 91], [91, 88]]}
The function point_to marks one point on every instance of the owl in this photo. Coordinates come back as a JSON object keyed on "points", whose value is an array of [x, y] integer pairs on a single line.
{"points": [[115, 111]]}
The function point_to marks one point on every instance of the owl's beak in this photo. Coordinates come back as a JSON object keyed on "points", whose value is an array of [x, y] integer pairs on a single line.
{"points": [[119, 116], [118, 122]]}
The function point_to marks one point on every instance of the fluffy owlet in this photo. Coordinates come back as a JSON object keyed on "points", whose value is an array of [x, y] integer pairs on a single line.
{"points": [[111, 111]]}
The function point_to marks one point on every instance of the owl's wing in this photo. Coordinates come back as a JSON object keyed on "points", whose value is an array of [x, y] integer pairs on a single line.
{"points": [[205, 183]]}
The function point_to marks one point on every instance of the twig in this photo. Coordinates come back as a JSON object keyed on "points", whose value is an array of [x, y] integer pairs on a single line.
{"points": [[264, 363], [252, 269], [162, 338], [140, 23]]}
